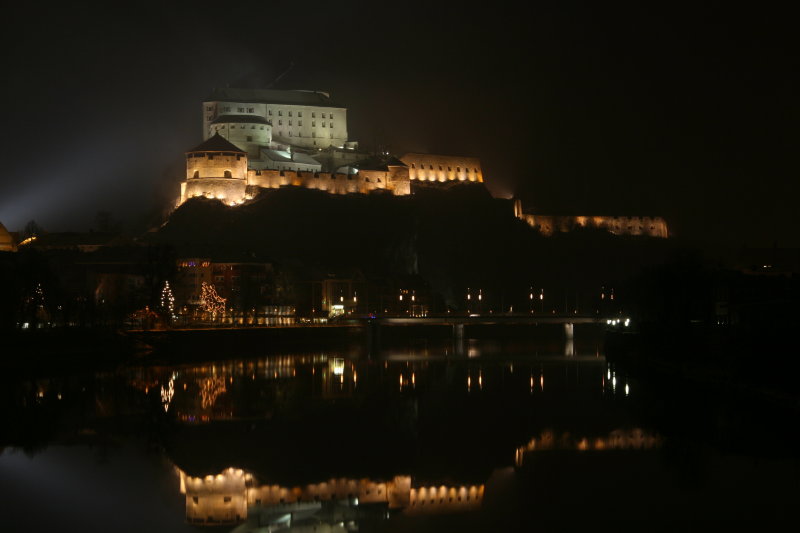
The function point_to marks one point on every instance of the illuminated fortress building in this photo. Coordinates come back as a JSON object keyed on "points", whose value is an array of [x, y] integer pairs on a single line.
{"points": [[266, 139], [256, 139]]}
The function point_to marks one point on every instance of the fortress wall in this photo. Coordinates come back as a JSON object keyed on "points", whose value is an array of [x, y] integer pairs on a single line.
{"points": [[231, 191], [370, 180], [214, 165], [366, 181], [618, 225], [442, 168], [398, 181], [443, 498]]}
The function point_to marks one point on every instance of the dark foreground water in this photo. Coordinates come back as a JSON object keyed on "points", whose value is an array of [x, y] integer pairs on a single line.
{"points": [[493, 435]]}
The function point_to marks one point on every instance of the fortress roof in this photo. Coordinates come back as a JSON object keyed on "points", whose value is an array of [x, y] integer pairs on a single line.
{"points": [[272, 96], [246, 119], [377, 163], [286, 157], [217, 143]]}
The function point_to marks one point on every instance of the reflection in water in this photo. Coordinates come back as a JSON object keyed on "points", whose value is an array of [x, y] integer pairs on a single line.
{"points": [[336, 440], [233, 495], [210, 389], [619, 439], [168, 393]]}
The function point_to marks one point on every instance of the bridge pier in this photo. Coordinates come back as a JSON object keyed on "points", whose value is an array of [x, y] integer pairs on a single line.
{"points": [[569, 333], [458, 339], [373, 338]]}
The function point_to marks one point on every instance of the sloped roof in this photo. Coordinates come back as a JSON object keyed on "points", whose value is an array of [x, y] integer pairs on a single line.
{"points": [[378, 163], [239, 119], [217, 143], [271, 96], [287, 157]]}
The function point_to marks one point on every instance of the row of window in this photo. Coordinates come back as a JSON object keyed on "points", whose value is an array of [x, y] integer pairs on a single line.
{"points": [[227, 109], [449, 169], [217, 128], [300, 114], [300, 123], [313, 134]]}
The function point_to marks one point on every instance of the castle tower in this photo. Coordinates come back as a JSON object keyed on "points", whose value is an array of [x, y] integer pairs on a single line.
{"points": [[215, 169], [249, 132]]}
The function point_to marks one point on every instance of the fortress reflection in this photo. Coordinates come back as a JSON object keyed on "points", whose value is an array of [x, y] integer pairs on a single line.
{"points": [[233, 496]]}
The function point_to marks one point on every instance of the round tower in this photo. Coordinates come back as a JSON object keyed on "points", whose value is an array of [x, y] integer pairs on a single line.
{"points": [[215, 169], [249, 132]]}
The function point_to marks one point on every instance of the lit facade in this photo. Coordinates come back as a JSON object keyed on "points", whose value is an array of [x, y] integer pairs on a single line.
{"points": [[304, 119], [442, 168]]}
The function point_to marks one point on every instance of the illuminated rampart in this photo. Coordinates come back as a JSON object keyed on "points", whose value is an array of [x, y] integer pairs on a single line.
{"points": [[226, 497], [548, 225]]}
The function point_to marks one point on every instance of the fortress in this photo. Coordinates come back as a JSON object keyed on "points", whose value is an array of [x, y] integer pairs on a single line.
{"points": [[258, 139], [265, 139]]}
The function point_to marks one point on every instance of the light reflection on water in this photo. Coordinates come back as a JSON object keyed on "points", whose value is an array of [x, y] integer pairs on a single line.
{"points": [[336, 437]]}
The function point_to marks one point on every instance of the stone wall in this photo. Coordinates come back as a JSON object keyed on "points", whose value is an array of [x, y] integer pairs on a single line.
{"points": [[442, 168], [363, 182], [618, 225], [230, 191]]}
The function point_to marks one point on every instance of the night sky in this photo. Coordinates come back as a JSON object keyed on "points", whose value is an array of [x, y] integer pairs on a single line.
{"points": [[686, 112]]}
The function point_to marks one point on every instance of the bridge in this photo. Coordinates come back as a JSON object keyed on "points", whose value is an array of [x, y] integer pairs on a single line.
{"points": [[490, 319]]}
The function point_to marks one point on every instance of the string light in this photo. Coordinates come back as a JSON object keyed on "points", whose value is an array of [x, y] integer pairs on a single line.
{"points": [[168, 300], [212, 302]]}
